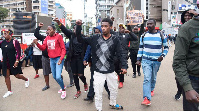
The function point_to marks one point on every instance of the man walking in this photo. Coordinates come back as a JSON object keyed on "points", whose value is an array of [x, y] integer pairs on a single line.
{"points": [[103, 49], [151, 54], [186, 63]]}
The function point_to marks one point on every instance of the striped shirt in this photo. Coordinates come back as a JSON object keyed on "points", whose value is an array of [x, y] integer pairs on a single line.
{"points": [[151, 47]]}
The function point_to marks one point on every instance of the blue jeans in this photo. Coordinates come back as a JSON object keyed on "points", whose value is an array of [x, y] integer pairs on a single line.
{"points": [[57, 70], [150, 69]]}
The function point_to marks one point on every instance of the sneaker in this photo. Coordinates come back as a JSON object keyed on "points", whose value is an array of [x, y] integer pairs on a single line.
{"points": [[63, 95], [134, 75], [60, 91], [27, 83], [7, 94], [36, 76], [146, 102], [86, 87], [120, 85], [177, 96], [27, 66], [77, 94], [152, 93], [45, 88], [70, 85], [116, 107]]}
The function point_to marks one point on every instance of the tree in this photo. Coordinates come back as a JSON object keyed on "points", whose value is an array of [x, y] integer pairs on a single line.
{"points": [[57, 28], [3, 13]]}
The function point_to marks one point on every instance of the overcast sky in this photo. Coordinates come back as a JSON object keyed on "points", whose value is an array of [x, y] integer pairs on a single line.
{"points": [[77, 8]]}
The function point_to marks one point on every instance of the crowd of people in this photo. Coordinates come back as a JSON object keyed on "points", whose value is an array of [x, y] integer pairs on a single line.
{"points": [[107, 53]]}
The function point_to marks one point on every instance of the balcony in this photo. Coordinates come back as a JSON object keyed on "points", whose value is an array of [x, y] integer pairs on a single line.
{"points": [[36, 10], [36, 4]]}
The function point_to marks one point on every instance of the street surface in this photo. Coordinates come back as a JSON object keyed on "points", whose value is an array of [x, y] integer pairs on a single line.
{"points": [[130, 96]]}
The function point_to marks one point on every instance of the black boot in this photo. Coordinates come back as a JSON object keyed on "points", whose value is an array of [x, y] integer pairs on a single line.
{"points": [[139, 74]]}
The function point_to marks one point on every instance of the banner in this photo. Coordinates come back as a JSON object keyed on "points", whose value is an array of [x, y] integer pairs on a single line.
{"points": [[134, 17], [27, 38]]}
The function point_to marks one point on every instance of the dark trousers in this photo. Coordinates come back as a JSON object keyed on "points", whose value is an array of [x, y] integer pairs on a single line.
{"points": [[133, 56], [188, 106], [179, 87], [118, 67], [69, 70], [91, 92]]}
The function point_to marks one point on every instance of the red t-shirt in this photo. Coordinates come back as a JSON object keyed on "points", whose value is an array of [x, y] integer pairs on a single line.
{"points": [[55, 46]]}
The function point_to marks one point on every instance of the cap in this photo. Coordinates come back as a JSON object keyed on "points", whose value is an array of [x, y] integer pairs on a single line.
{"points": [[121, 24]]}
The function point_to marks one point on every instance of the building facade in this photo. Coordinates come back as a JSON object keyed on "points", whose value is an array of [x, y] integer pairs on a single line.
{"points": [[103, 9], [39, 7]]}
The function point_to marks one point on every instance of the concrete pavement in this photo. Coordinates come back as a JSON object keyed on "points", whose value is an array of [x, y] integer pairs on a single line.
{"points": [[130, 96]]}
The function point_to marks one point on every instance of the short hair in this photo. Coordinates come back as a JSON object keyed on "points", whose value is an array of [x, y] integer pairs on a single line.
{"points": [[152, 20], [54, 28], [108, 20]]}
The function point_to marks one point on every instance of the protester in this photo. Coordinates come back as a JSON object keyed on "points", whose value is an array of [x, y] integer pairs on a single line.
{"points": [[134, 47], [150, 54], [77, 51], [88, 60], [186, 16], [186, 63], [104, 48], [11, 65], [124, 37], [56, 51], [37, 59]]}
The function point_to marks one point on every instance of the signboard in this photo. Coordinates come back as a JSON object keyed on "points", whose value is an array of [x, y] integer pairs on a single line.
{"points": [[134, 17], [183, 7], [27, 38], [44, 6], [173, 20], [169, 10], [63, 21]]}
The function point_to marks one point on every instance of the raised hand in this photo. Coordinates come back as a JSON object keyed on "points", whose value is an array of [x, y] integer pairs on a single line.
{"points": [[41, 24], [79, 22]]}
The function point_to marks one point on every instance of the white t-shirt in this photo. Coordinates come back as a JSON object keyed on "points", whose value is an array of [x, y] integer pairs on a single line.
{"points": [[36, 51]]}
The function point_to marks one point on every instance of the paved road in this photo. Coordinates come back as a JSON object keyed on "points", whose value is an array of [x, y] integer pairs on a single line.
{"points": [[130, 96]]}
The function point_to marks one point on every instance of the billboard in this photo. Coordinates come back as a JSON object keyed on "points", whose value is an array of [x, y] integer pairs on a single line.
{"points": [[134, 17], [44, 6]]}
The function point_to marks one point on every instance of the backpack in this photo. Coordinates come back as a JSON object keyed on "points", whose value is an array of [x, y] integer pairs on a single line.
{"points": [[161, 35]]}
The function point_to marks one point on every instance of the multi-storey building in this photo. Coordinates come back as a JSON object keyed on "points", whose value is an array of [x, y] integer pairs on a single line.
{"points": [[103, 9], [60, 11], [40, 7]]}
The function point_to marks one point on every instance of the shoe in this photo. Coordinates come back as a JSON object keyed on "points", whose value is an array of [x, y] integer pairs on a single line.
{"points": [[63, 95], [36, 76], [45, 88], [120, 85], [134, 75], [70, 85], [31, 64], [88, 99], [86, 87], [77, 94], [146, 102], [152, 93], [27, 83], [116, 106], [177, 96], [60, 91], [27, 66], [139, 74], [7, 94]]}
